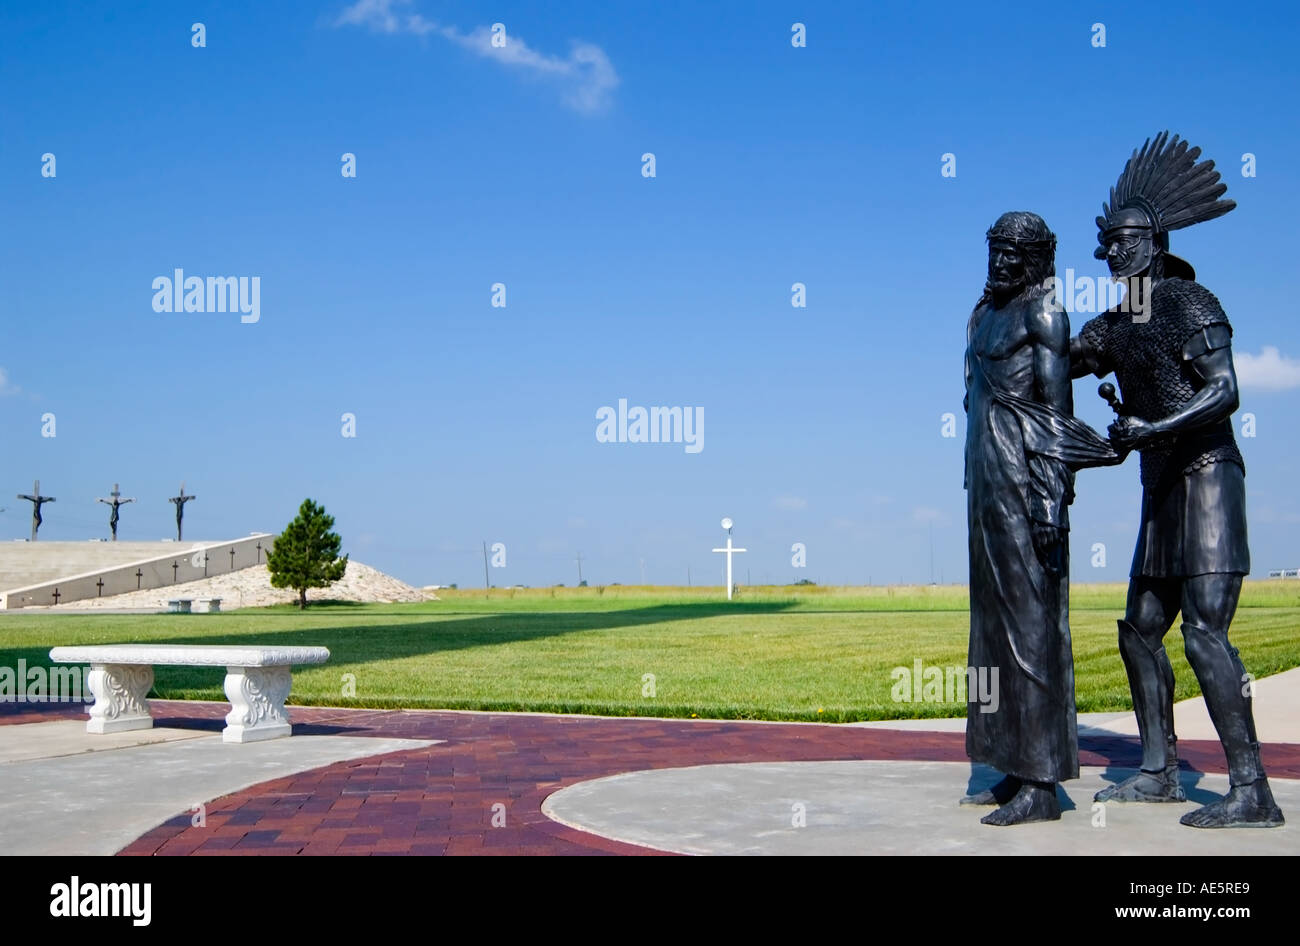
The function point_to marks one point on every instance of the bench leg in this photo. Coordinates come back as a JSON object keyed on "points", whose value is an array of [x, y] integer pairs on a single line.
{"points": [[120, 703], [257, 696]]}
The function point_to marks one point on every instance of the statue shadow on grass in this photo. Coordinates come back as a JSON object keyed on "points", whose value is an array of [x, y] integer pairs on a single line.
{"points": [[356, 644]]}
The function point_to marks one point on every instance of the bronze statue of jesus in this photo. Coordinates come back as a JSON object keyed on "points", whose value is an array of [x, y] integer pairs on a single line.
{"points": [[1022, 447]]}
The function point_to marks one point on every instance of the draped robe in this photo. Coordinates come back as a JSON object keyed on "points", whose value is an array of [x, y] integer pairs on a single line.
{"points": [[1020, 460]]}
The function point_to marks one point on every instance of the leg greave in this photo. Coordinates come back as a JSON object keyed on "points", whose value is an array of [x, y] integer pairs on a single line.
{"points": [[1151, 681], [1225, 687]]}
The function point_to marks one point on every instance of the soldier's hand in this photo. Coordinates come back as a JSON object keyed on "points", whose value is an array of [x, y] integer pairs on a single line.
{"points": [[1131, 433]]}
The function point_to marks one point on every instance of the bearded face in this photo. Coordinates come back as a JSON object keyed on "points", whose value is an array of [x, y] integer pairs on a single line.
{"points": [[1022, 252], [1007, 272]]}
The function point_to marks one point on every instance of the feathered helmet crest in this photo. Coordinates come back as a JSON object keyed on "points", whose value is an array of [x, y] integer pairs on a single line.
{"points": [[1163, 185]]}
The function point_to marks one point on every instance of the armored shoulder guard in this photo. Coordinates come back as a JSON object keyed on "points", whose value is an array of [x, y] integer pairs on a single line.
{"points": [[1211, 338]]}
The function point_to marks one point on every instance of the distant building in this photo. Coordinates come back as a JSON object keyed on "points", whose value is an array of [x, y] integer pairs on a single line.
{"points": [[1284, 573]]}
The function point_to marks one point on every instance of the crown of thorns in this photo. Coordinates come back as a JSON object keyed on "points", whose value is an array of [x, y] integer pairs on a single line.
{"points": [[1018, 238], [1023, 229]]}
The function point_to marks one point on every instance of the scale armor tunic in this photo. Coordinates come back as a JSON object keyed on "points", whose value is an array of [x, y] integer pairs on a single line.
{"points": [[1193, 502]]}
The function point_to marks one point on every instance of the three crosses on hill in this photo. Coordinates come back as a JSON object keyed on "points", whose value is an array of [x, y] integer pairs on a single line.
{"points": [[115, 502]]}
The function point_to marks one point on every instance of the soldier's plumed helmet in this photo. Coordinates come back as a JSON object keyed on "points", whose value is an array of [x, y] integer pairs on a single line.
{"points": [[1163, 187]]}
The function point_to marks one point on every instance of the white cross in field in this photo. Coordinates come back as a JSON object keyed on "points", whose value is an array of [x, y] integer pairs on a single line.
{"points": [[729, 550]]}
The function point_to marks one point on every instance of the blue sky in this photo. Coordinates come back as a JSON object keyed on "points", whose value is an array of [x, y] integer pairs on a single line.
{"points": [[522, 165]]}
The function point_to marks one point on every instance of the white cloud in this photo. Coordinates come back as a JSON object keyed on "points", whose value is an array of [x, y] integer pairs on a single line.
{"points": [[1270, 370], [927, 514], [5, 387], [585, 77], [791, 502], [377, 14]]}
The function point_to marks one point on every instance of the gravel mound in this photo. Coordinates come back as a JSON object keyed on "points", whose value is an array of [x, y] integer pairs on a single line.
{"points": [[251, 588]]}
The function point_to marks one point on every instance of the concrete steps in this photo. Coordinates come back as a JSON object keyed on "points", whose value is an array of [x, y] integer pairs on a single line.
{"points": [[31, 563], [45, 573]]}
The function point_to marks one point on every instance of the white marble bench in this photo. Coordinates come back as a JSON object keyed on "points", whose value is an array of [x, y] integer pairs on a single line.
{"points": [[257, 682], [180, 605], [206, 606]]}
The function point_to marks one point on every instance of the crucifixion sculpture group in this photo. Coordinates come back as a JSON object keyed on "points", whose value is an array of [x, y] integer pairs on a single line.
{"points": [[114, 502]]}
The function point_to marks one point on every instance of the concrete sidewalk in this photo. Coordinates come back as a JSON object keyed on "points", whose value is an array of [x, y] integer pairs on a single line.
{"points": [[64, 791], [892, 808], [900, 807], [1276, 707], [444, 782]]}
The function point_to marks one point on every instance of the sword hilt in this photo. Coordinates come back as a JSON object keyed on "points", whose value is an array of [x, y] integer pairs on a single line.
{"points": [[1106, 391]]}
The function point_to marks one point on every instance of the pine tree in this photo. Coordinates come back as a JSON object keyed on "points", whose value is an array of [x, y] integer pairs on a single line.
{"points": [[306, 553]]}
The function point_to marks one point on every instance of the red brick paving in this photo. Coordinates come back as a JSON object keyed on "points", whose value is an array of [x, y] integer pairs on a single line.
{"points": [[440, 799]]}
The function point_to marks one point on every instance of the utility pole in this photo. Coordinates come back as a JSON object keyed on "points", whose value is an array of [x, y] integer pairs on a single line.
{"points": [[487, 582], [932, 553], [579, 561]]}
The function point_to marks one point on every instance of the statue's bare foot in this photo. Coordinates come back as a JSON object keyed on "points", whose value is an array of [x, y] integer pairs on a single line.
{"points": [[999, 794], [1245, 806], [1145, 787], [1036, 801]]}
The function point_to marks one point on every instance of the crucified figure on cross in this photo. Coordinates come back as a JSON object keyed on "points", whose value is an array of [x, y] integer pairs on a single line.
{"points": [[37, 500], [180, 502], [115, 502]]}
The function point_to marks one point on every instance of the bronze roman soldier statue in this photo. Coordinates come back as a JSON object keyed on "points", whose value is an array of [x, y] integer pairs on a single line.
{"points": [[1171, 354]]}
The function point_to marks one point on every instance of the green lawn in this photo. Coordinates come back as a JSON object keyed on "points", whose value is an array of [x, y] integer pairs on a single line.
{"points": [[774, 653]]}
